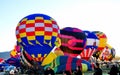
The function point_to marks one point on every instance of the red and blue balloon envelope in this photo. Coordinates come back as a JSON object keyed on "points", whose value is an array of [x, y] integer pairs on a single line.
{"points": [[73, 41], [37, 34], [91, 45]]}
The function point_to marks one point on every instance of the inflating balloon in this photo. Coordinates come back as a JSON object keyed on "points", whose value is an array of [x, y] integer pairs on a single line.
{"points": [[107, 54], [26, 58], [73, 41], [51, 56], [16, 52], [102, 43], [13, 61], [91, 45], [1, 60], [38, 35], [62, 63]]}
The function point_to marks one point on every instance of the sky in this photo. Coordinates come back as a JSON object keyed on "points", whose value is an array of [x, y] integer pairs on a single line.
{"points": [[92, 15]]}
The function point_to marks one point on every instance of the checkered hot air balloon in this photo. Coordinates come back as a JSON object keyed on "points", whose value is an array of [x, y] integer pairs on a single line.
{"points": [[38, 35], [73, 41], [102, 42], [91, 45]]}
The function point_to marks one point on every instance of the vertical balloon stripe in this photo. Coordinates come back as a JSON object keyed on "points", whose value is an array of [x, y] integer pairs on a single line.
{"points": [[68, 64]]}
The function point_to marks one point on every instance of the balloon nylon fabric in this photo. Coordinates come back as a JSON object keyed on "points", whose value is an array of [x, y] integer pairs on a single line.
{"points": [[37, 33], [73, 41]]}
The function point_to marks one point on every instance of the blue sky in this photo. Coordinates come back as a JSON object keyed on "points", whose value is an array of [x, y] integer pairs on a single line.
{"points": [[101, 15]]}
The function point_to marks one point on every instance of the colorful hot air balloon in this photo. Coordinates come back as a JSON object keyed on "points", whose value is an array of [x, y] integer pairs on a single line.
{"points": [[51, 56], [1, 60], [91, 45], [13, 61], [16, 52], [102, 43], [108, 53], [38, 35], [62, 63], [73, 41]]}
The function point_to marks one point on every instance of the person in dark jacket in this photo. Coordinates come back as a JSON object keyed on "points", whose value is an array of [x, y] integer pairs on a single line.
{"points": [[49, 71], [114, 70], [98, 70], [78, 71]]}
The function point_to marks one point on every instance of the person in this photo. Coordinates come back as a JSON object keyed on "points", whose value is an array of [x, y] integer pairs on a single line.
{"points": [[12, 72], [66, 72], [78, 71], [113, 70], [49, 71], [38, 70], [98, 70]]}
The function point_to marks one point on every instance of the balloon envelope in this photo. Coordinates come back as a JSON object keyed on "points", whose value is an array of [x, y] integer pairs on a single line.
{"points": [[62, 63], [91, 45], [16, 52], [1, 60], [51, 56], [108, 53], [102, 40], [102, 43], [38, 34], [13, 61], [73, 41]]}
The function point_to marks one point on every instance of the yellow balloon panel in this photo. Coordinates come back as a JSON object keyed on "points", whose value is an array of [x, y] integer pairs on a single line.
{"points": [[110, 47], [49, 58], [102, 42]]}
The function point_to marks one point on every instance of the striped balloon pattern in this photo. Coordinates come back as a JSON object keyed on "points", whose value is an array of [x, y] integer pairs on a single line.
{"points": [[73, 41], [16, 52], [91, 45], [38, 35], [62, 63]]}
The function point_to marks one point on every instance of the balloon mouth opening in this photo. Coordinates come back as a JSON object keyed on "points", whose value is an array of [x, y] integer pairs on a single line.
{"points": [[37, 52], [26, 59]]}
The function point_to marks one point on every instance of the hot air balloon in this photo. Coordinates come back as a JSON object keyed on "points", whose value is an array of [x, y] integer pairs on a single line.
{"points": [[13, 61], [16, 52], [51, 56], [38, 35], [91, 45], [73, 41], [108, 53], [102, 43], [62, 63], [1, 60]]}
